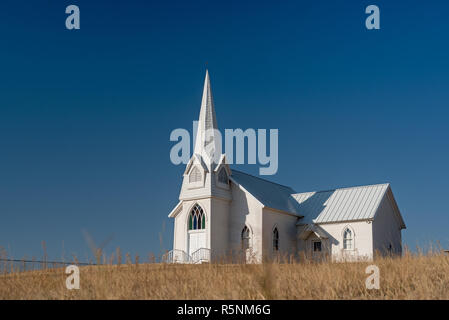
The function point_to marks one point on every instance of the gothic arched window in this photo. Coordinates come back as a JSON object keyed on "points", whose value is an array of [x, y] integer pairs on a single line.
{"points": [[246, 236], [275, 239], [348, 238], [223, 176], [197, 218], [195, 175]]}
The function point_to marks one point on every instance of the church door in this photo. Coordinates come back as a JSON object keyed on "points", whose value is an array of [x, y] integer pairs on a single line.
{"points": [[197, 240]]}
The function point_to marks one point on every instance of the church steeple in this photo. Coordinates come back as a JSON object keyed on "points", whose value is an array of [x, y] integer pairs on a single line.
{"points": [[206, 144]]}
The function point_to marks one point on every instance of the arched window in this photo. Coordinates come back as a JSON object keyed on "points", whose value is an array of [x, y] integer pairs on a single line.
{"points": [[275, 239], [246, 236], [195, 175], [223, 176], [197, 218], [348, 238]]}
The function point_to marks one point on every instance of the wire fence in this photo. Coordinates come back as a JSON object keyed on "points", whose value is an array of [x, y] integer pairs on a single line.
{"points": [[22, 265], [11, 265]]}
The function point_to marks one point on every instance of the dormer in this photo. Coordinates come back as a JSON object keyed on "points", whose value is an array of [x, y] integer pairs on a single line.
{"points": [[222, 173], [195, 173]]}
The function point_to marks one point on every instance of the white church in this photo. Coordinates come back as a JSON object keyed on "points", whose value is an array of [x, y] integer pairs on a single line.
{"points": [[224, 214]]}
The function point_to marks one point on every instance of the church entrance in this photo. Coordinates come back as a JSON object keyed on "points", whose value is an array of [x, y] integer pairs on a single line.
{"points": [[197, 240], [197, 232]]}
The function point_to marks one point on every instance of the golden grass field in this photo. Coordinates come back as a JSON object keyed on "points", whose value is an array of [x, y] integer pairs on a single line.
{"points": [[413, 276]]}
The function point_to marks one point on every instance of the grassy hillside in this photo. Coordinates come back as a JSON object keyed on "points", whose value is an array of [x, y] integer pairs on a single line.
{"points": [[409, 277]]}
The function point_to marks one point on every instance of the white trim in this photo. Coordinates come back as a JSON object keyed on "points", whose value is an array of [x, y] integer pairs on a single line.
{"points": [[196, 159], [186, 225], [176, 210], [395, 206], [220, 184], [352, 237], [190, 210], [251, 235], [196, 184], [299, 223], [222, 163]]}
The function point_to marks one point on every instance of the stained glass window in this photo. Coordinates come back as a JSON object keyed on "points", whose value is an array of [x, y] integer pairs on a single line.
{"points": [[197, 218]]}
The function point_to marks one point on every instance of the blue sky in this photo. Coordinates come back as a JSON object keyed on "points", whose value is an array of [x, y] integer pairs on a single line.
{"points": [[86, 115]]}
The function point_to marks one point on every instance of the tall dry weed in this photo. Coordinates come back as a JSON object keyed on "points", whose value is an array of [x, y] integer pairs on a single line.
{"points": [[413, 276]]}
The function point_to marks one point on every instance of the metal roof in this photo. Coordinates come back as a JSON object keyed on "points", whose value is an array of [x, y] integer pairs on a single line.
{"points": [[312, 228], [270, 194], [346, 204], [343, 204]]}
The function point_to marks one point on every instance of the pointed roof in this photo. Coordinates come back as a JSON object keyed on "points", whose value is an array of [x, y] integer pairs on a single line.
{"points": [[206, 135], [270, 194], [345, 204]]}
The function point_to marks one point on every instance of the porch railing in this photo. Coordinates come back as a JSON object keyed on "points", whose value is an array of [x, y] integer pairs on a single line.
{"points": [[176, 256], [180, 256], [201, 255]]}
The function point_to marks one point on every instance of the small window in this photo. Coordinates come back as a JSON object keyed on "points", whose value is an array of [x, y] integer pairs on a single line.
{"points": [[195, 175], [348, 239], [197, 220], [317, 246], [223, 176], [275, 239], [246, 236]]}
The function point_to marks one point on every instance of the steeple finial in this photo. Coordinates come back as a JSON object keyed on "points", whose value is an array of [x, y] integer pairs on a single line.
{"points": [[206, 137]]}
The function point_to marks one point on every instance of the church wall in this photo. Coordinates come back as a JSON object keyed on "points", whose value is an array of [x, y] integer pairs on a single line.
{"points": [[219, 229], [178, 232], [286, 225], [245, 210], [305, 246], [363, 239], [386, 229]]}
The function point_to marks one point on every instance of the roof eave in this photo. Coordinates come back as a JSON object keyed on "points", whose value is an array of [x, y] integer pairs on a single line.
{"points": [[283, 211], [262, 204], [175, 210], [342, 221]]}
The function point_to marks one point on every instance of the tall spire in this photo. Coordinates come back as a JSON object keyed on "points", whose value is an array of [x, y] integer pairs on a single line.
{"points": [[206, 136]]}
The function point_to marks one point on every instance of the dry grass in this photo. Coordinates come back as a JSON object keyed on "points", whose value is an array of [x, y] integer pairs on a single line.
{"points": [[409, 277]]}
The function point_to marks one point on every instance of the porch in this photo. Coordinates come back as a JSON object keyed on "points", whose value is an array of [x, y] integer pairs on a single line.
{"points": [[201, 255]]}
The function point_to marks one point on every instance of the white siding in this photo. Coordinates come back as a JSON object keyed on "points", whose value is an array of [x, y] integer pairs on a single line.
{"points": [[287, 233], [362, 240], [387, 229], [219, 232], [245, 210]]}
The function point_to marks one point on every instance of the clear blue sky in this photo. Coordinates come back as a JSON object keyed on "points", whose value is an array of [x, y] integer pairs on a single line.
{"points": [[85, 116]]}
